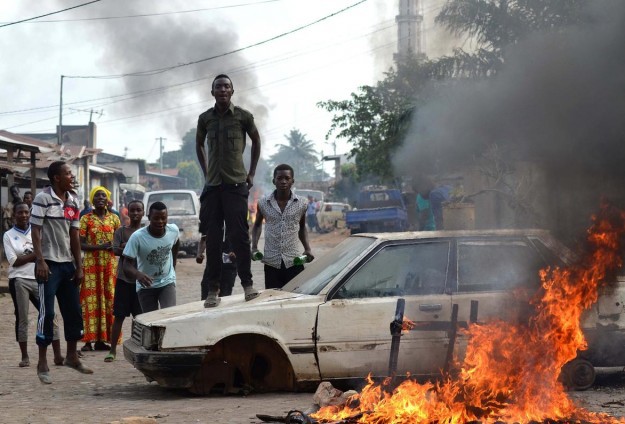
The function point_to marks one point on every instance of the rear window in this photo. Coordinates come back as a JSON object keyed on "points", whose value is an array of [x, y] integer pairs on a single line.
{"points": [[177, 203], [497, 265]]}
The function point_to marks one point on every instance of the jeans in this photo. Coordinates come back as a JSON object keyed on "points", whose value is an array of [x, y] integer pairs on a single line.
{"points": [[226, 203], [61, 285]]}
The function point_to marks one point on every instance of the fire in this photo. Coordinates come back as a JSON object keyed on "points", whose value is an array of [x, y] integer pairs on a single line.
{"points": [[511, 371]]}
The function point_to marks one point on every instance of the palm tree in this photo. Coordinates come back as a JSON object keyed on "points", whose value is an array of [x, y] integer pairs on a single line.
{"points": [[299, 152]]}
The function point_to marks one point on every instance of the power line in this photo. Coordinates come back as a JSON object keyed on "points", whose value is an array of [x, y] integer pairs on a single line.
{"points": [[195, 62], [146, 15], [48, 14]]}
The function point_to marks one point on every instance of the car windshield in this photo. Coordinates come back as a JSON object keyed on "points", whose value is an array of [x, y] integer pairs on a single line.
{"points": [[321, 271], [177, 203]]}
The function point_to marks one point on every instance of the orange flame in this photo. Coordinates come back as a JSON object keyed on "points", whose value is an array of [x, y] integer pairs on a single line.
{"points": [[407, 325], [510, 372]]}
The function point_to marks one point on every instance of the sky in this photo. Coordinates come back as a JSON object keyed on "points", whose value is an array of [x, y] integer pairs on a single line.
{"points": [[279, 73]]}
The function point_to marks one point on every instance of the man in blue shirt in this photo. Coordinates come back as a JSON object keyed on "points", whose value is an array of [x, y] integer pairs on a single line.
{"points": [[155, 249]]}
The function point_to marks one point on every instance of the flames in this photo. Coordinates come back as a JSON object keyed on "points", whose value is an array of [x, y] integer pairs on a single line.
{"points": [[510, 372]]}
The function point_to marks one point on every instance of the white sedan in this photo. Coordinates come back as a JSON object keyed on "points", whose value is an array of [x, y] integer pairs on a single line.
{"points": [[333, 321]]}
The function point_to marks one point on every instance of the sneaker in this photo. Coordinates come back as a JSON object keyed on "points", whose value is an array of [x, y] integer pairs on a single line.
{"points": [[250, 292], [211, 300]]}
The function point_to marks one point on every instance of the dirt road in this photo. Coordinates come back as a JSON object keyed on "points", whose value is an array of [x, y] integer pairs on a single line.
{"points": [[116, 390]]}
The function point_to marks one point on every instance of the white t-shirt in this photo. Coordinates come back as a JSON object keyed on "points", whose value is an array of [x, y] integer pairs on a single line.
{"points": [[18, 243]]}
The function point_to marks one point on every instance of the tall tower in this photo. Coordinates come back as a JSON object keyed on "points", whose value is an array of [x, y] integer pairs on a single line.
{"points": [[409, 30]]}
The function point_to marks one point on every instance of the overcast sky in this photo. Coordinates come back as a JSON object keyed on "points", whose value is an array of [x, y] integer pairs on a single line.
{"points": [[280, 81]]}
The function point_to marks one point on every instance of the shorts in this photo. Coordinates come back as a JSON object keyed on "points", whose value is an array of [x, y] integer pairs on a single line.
{"points": [[126, 301]]}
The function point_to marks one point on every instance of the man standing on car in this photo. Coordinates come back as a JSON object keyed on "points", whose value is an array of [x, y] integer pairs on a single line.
{"points": [[227, 185], [284, 214]]}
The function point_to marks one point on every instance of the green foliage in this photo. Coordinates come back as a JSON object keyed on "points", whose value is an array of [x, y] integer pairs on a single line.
{"points": [[191, 172], [375, 119], [299, 152], [186, 153]]}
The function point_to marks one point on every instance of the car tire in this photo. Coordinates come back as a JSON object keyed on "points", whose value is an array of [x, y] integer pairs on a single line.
{"points": [[579, 374]]}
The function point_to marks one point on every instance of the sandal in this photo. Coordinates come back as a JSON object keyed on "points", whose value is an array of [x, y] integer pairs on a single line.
{"points": [[211, 300], [250, 293], [44, 377], [109, 358], [24, 363], [87, 348]]}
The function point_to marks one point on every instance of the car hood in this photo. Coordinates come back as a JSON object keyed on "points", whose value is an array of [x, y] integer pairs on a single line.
{"points": [[274, 313]]}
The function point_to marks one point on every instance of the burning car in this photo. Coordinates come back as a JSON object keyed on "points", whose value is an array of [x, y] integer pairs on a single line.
{"points": [[332, 321]]}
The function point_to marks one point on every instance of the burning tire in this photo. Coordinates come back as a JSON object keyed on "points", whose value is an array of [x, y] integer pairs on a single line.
{"points": [[579, 374]]}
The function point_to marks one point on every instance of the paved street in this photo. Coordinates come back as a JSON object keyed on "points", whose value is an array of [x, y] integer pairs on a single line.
{"points": [[116, 390]]}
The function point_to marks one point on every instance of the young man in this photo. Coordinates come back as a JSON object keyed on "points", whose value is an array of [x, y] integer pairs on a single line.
{"points": [[18, 248], [155, 249], [224, 198], [28, 199], [55, 230], [285, 222], [126, 300]]}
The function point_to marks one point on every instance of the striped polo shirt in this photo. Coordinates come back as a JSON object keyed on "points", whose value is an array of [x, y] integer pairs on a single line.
{"points": [[56, 216], [281, 229]]}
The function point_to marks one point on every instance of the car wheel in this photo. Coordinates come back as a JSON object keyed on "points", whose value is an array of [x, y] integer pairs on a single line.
{"points": [[579, 374], [240, 364]]}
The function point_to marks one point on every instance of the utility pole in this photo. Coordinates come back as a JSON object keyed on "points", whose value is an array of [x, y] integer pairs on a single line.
{"points": [[160, 140], [60, 134]]}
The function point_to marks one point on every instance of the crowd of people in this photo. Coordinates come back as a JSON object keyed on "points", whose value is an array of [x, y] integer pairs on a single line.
{"points": [[102, 267]]}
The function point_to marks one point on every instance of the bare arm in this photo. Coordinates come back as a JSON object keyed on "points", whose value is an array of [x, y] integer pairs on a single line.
{"points": [[303, 237], [92, 247], [74, 242], [131, 269], [257, 229], [13, 258], [200, 149], [255, 137], [41, 267], [174, 251]]}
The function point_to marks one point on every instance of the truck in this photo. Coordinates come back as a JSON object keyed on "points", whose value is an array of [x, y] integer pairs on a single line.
{"points": [[380, 209]]}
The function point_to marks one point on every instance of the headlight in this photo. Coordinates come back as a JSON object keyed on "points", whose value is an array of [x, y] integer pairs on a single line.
{"points": [[151, 336]]}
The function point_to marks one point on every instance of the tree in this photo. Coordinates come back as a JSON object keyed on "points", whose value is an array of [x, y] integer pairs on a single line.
{"points": [[375, 119], [299, 152], [186, 153], [191, 172]]}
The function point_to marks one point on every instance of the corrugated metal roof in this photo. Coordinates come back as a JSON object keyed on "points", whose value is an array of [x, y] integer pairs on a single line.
{"points": [[9, 139]]}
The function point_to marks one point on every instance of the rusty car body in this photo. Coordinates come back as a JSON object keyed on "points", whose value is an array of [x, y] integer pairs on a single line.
{"points": [[332, 321]]}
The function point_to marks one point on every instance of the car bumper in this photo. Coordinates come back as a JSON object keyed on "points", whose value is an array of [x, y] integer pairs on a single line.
{"points": [[168, 369]]}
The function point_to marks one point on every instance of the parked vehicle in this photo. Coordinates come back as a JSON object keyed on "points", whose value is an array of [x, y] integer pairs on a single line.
{"points": [[379, 209], [332, 215], [183, 209], [331, 322], [316, 194]]}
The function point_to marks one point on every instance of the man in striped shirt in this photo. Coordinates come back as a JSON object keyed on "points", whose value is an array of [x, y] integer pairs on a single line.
{"points": [[284, 214], [58, 266]]}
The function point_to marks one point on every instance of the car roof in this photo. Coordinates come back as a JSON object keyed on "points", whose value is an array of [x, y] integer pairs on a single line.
{"points": [[169, 191], [412, 235]]}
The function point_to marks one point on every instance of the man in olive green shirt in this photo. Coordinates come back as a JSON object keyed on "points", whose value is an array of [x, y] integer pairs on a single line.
{"points": [[219, 144]]}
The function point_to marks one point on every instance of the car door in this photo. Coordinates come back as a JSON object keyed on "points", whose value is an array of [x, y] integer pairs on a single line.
{"points": [[495, 279], [353, 325]]}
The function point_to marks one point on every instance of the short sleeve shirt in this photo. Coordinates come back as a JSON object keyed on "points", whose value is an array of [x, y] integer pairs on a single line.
{"points": [[56, 216], [18, 242], [153, 254], [282, 229], [225, 140]]}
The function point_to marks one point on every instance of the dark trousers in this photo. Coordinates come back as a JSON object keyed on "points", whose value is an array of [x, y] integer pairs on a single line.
{"points": [[226, 203], [61, 285], [228, 274], [277, 278]]}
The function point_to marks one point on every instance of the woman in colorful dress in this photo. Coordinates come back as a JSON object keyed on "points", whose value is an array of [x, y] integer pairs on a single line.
{"points": [[98, 288]]}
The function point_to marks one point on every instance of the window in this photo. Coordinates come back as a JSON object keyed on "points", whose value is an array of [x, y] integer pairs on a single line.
{"points": [[177, 203], [414, 269], [497, 265]]}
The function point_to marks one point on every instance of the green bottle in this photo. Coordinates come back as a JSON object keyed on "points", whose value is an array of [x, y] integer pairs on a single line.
{"points": [[257, 256], [300, 260]]}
